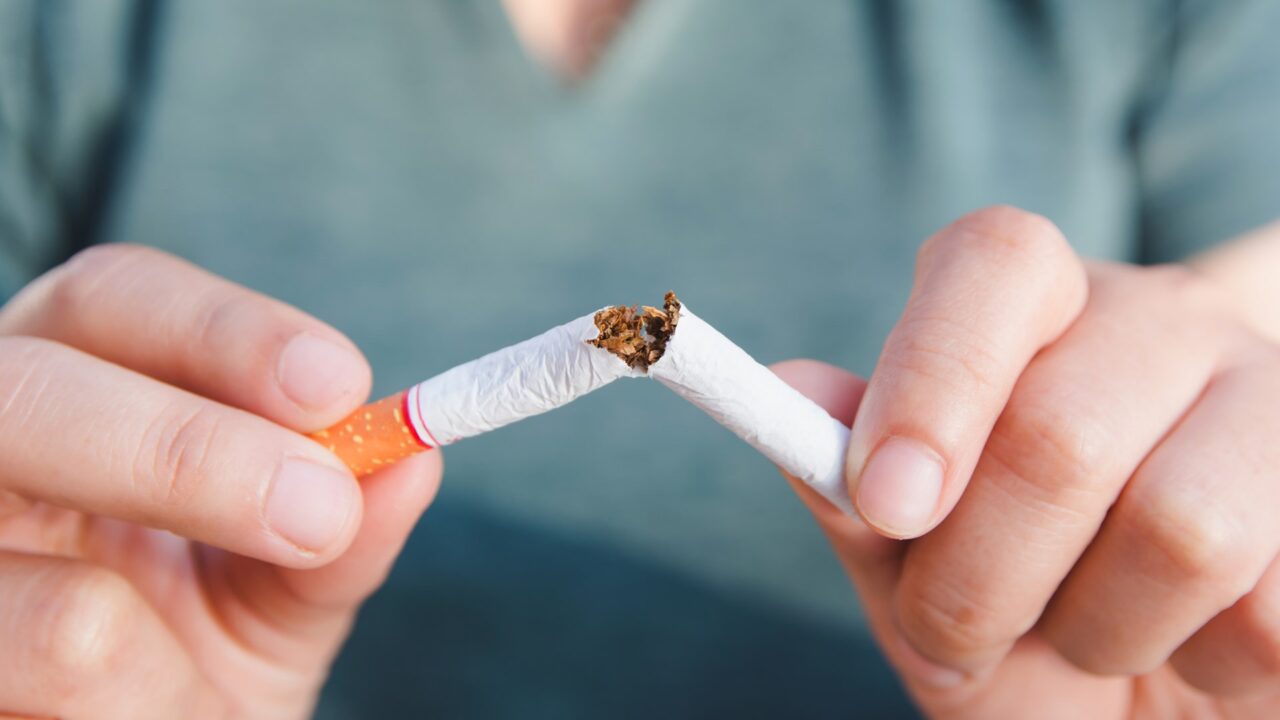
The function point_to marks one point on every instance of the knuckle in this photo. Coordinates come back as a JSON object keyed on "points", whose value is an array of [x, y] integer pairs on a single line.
{"points": [[1188, 310], [27, 368], [1075, 442], [1102, 662], [1185, 283], [1192, 541], [96, 258], [19, 353], [1197, 302], [1061, 454], [77, 283], [1083, 659], [220, 320], [1015, 247], [87, 622], [1007, 232], [948, 625], [1006, 218], [176, 455]]}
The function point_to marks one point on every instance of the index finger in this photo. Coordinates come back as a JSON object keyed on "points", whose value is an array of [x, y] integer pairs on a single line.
{"points": [[83, 434], [168, 319], [990, 291]]}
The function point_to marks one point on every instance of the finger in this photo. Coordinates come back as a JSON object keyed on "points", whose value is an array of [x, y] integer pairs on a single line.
{"points": [[80, 643], [1080, 420], [1191, 534], [82, 434], [990, 291], [168, 319], [839, 393], [395, 500], [299, 618], [872, 561], [1238, 652]]}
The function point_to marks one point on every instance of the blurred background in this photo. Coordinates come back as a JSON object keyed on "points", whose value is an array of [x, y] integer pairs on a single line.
{"points": [[436, 187]]}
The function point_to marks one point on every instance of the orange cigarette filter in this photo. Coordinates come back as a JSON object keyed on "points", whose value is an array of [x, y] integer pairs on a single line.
{"points": [[374, 436]]}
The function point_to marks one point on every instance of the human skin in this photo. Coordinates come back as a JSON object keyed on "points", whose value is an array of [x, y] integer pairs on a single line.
{"points": [[1069, 474], [170, 543]]}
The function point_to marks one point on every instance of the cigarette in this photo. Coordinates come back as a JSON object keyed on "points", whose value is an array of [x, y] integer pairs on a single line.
{"points": [[516, 382], [669, 344]]}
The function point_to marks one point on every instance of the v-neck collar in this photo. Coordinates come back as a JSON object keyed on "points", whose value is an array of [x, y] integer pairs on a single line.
{"points": [[622, 38], [572, 43]]}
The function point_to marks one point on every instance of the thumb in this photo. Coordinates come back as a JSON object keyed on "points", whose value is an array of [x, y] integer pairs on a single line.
{"points": [[839, 392], [872, 561], [308, 611]]}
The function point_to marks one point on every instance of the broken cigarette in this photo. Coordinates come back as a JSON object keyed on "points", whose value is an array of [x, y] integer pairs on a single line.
{"points": [[669, 344]]}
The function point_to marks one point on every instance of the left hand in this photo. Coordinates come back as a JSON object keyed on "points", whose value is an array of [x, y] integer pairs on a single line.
{"points": [[171, 545], [1086, 458]]}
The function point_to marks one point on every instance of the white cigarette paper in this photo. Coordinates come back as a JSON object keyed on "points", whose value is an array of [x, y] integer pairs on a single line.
{"points": [[672, 345], [516, 382], [707, 369]]}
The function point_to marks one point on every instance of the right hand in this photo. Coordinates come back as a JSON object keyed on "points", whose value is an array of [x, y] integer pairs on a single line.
{"points": [[139, 395]]}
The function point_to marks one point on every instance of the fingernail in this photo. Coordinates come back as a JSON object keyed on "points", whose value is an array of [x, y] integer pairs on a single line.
{"points": [[309, 504], [900, 487], [316, 373]]}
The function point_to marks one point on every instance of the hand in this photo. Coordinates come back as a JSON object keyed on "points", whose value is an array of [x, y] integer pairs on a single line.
{"points": [[1087, 458], [139, 395]]}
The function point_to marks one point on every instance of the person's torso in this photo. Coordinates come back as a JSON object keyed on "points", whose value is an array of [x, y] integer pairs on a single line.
{"points": [[404, 172]]}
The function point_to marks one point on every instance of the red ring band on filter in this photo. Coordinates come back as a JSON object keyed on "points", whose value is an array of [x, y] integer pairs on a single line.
{"points": [[413, 418]]}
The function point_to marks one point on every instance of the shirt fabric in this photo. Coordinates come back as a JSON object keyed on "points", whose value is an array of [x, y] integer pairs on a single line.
{"points": [[403, 171]]}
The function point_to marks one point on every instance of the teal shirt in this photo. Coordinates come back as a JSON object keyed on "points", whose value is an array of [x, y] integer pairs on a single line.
{"points": [[401, 170]]}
